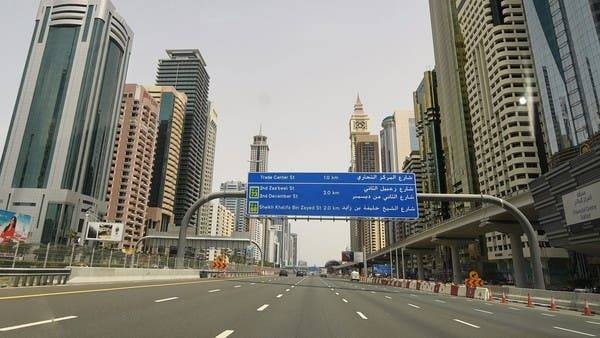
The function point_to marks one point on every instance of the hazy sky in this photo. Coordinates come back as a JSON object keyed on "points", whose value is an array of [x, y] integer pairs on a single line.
{"points": [[293, 66]]}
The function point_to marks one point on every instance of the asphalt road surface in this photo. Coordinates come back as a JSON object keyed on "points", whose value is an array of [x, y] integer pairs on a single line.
{"points": [[271, 307]]}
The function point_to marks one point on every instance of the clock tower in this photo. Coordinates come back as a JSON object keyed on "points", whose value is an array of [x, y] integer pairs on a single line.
{"points": [[359, 125]]}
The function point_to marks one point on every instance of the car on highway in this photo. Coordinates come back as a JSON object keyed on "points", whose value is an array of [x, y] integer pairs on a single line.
{"points": [[354, 276], [283, 273], [323, 273], [300, 273]]}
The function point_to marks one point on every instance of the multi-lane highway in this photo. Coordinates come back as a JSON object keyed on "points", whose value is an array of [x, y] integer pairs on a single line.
{"points": [[270, 307]]}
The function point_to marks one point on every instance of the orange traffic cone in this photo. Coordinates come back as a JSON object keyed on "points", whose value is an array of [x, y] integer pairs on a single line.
{"points": [[586, 309], [553, 304], [504, 300], [529, 301]]}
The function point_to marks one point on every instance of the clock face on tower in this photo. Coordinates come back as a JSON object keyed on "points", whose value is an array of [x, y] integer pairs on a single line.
{"points": [[360, 124]]}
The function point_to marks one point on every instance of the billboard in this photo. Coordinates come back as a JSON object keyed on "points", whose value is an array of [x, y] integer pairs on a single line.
{"points": [[382, 270], [14, 226], [104, 231], [347, 256], [345, 195]]}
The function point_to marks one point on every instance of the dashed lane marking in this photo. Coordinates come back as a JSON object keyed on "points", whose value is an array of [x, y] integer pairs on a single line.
{"points": [[465, 323], [53, 320], [279, 295], [413, 305], [361, 315], [344, 300], [488, 312], [573, 331], [224, 334], [262, 308], [215, 290], [165, 299]]}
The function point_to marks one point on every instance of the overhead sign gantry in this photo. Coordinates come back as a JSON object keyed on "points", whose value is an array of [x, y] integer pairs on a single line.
{"points": [[332, 195]]}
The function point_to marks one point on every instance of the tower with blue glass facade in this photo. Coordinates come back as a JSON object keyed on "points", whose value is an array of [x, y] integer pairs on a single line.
{"points": [[56, 159]]}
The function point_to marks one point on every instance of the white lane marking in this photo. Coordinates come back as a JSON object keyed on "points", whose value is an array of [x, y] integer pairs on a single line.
{"points": [[262, 307], [361, 315], [224, 334], [337, 293], [514, 308], [490, 304], [412, 294], [440, 301], [469, 324], [262, 281], [488, 312], [587, 321], [372, 291], [548, 315], [252, 283], [413, 305], [573, 331], [53, 320], [388, 297], [165, 299], [287, 290], [215, 290], [279, 295], [331, 289], [237, 286], [344, 299], [293, 286], [469, 300]]}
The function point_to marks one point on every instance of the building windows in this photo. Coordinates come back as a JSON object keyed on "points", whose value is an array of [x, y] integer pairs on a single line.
{"points": [[39, 138]]}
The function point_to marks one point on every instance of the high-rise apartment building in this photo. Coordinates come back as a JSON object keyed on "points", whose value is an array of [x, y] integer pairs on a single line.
{"points": [[159, 216], [502, 94], [389, 163], [427, 117], [412, 164], [57, 155], [456, 128], [132, 161], [236, 205], [397, 140], [185, 70], [208, 164], [294, 249], [221, 222]]}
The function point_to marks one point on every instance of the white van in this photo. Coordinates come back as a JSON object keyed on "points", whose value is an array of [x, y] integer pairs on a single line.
{"points": [[354, 276]]}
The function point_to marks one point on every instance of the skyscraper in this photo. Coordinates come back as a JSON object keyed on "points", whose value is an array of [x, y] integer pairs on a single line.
{"points": [[208, 163], [185, 70], [132, 162], [259, 154], [427, 117], [503, 95], [358, 125], [159, 216], [565, 43], [259, 162], [294, 247], [57, 155], [370, 234], [457, 131], [236, 205]]}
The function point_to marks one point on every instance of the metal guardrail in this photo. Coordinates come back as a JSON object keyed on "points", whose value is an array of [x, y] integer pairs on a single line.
{"points": [[35, 277]]}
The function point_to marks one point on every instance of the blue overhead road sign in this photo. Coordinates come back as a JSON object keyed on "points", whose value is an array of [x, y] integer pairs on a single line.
{"points": [[344, 195]]}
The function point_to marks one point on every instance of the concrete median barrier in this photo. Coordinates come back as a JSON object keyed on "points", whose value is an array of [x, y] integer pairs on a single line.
{"points": [[105, 275]]}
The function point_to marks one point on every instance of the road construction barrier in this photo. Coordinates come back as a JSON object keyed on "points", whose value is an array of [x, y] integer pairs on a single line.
{"points": [[412, 284], [462, 291], [470, 293], [481, 293], [436, 287]]}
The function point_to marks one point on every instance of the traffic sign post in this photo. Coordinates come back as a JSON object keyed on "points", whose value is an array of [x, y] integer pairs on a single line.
{"points": [[332, 195]]}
